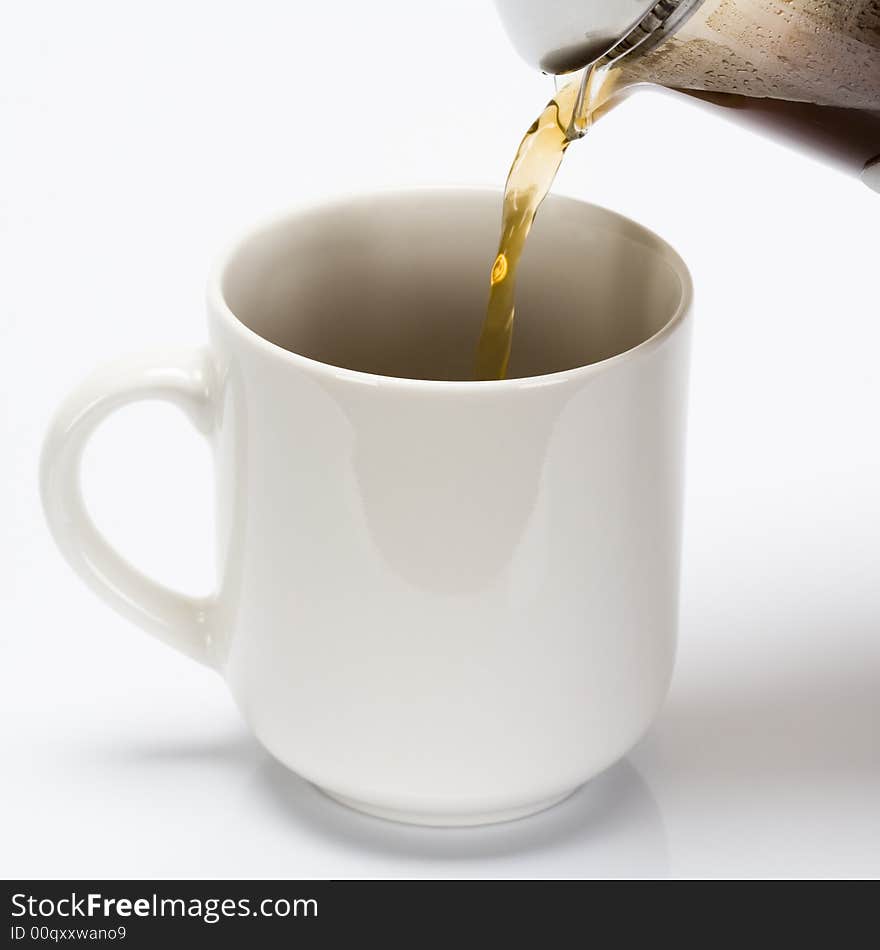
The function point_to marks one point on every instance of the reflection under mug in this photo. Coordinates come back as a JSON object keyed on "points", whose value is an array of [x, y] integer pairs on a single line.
{"points": [[441, 601]]}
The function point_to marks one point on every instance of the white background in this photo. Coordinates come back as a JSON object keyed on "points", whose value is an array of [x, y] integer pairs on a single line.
{"points": [[136, 140]]}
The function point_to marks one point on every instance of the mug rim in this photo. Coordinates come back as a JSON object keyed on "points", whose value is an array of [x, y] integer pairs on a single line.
{"points": [[219, 307]]}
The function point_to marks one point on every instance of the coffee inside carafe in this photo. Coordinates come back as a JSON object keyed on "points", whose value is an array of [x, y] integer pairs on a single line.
{"points": [[803, 71]]}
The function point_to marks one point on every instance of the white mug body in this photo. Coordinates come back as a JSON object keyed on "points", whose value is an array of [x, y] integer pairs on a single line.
{"points": [[441, 601]]}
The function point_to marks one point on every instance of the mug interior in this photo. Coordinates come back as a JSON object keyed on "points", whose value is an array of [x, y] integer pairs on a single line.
{"points": [[396, 284]]}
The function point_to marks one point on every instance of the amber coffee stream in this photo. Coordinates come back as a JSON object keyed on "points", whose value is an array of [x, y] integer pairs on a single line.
{"points": [[567, 116], [816, 61]]}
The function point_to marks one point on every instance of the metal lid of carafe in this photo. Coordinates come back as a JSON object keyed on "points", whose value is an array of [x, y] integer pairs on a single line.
{"points": [[560, 36]]}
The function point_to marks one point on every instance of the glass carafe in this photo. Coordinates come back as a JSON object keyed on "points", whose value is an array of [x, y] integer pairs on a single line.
{"points": [[803, 70]]}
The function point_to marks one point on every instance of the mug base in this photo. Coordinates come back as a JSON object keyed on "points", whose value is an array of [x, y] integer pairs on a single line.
{"points": [[450, 819]]}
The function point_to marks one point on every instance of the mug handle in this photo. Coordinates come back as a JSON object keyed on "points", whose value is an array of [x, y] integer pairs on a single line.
{"points": [[186, 381]]}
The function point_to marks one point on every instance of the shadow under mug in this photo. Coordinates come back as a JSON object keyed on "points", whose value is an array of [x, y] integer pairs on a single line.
{"points": [[441, 601]]}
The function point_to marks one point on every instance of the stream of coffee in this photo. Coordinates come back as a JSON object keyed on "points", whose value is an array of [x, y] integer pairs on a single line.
{"points": [[807, 70], [567, 117]]}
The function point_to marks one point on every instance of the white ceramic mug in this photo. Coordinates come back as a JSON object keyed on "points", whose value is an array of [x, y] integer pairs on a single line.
{"points": [[441, 601]]}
